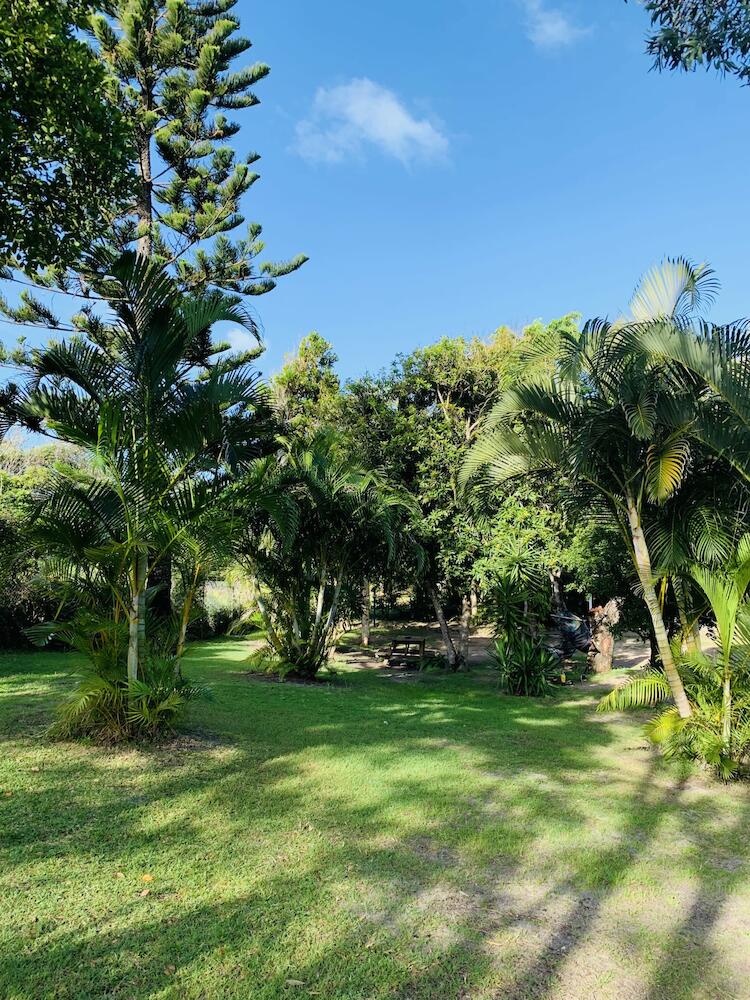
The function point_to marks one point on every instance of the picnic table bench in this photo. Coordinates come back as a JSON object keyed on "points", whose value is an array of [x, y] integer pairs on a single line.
{"points": [[408, 650]]}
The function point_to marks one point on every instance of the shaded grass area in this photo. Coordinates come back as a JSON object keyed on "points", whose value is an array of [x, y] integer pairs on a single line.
{"points": [[365, 839]]}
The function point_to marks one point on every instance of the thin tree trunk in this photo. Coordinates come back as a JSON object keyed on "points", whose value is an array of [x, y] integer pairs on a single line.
{"points": [[334, 604], [642, 560], [464, 631], [144, 207], [450, 649], [558, 598], [265, 614], [726, 707], [136, 619], [143, 576], [321, 597], [187, 607], [691, 632], [474, 599], [366, 600]]}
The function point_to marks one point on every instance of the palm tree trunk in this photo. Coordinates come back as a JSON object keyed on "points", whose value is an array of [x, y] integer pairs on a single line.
{"points": [[144, 206], [136, 616], [642, 559], [366, 600], [321, 596], [265, 614], [450, 649], [726, 708], [690, 633], [474, 599], [187, 607]]}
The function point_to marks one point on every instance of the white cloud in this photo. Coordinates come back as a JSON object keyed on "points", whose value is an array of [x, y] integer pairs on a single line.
{"points": [[345, 120], [549, 27], [239, 339]]}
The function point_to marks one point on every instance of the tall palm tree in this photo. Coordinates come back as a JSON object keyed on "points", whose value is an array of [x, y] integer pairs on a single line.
{"points": [[612, 423], [162, 417]]}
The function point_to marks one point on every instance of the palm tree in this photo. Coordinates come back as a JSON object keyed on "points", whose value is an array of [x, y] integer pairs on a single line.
{"points": [[163, 419], [345, 518], [612, 423], [716, 360], [718, 731]]}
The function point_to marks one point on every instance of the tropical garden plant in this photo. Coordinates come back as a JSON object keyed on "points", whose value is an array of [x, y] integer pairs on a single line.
{"points": [[612, 423], [164, 421], [717, 682], [342, 518]]}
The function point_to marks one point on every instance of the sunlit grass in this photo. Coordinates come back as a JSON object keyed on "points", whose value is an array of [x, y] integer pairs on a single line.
{"points": [[368, 838]]}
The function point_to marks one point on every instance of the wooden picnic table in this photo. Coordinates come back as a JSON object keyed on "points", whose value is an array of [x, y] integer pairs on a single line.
{"points": [[406, 650]]}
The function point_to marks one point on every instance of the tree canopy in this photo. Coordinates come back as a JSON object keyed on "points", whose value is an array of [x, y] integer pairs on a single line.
{"points": [[65, 149]]}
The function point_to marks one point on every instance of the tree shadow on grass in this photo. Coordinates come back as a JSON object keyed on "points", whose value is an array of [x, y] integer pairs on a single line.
{"points": [[368, 842]]}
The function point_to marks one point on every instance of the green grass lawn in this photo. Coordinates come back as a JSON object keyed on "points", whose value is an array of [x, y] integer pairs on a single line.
{"points": [[377, 838]]}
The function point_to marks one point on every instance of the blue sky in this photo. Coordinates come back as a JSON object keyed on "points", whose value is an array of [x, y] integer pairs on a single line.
{"points": [[450, 167], [453, 166]]}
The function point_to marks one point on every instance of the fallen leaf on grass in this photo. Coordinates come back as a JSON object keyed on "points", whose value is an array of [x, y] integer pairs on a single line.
{"points": [[147, 878], [294, 982], [35, 769], [170, 970], [145, 892], [119, 874]]}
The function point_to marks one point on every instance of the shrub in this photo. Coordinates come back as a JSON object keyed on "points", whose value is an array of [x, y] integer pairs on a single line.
{"points": [[434, 661], [106, 705], [701, 738], [524, 666], [111, 709]]}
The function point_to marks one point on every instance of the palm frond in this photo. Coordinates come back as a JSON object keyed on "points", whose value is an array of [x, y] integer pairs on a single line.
{"points": [[641, 691]]}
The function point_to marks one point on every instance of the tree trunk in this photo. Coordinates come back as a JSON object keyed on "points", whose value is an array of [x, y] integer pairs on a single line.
{"points": [[691, 636], [602, 640], [187, 607], [144, 207], [143, 577], [366, 613], [474, 600], [450, 649], [464, 631], [136, 616], [558, 598], [642, 560], [726, 708]]}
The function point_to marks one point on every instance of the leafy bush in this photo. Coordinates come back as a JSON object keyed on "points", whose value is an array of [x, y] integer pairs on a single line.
{"points": [[701, 737], [106, 705], [111, 709], [266, 661], [524, 666], [434, 661]]}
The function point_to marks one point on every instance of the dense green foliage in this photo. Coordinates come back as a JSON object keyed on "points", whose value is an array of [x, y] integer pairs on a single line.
{"points": [[341, 522], [65, 150]]}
